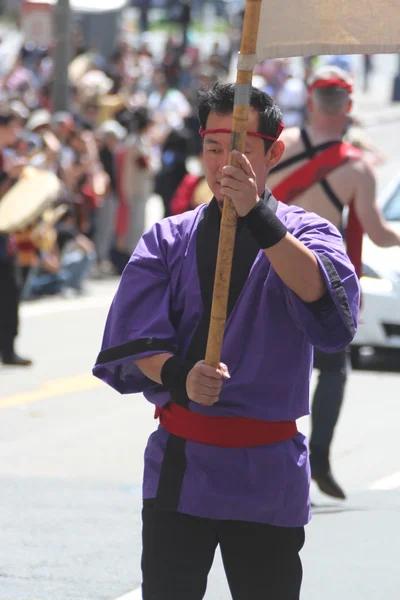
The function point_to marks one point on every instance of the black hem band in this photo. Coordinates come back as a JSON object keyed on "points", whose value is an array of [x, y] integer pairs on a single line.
{"points": [[134, 347], [339, 291]]}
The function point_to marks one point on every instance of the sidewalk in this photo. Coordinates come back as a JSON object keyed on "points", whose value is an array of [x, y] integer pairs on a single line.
{"points": [[375, 106]]}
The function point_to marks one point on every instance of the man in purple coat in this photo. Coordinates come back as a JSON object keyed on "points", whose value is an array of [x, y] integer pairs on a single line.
{"points": [[227, 465]]}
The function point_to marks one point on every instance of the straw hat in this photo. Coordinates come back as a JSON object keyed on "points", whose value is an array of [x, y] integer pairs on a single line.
{"points": [[39, 118], [26, 201], [112, 127]]}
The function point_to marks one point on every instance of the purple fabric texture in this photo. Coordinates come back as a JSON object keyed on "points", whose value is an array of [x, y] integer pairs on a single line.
{"points": [[268, 347]]}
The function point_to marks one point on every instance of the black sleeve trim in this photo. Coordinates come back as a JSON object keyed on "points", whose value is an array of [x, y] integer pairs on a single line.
{"points": [[133, 348], [338, 290]]}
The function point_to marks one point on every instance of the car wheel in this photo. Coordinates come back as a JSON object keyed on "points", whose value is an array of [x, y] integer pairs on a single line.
{"points": [[355, 357]]}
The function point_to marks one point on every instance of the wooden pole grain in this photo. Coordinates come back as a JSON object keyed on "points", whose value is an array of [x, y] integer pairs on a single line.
{"points": [[229, 216]]}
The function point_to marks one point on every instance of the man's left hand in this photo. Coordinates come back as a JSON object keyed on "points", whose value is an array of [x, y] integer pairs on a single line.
{"points": [[239, 184]]}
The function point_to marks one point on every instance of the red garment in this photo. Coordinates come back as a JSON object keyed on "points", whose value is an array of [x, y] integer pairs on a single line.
{"points": [[122, 216], [87, 190], [225, 432], [314, 171], [183, 195], [333, 82]]}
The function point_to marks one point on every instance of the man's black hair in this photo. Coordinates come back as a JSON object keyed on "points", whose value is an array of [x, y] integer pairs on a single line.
{"points": [[220, 99], [139, 120], [116, 54]]}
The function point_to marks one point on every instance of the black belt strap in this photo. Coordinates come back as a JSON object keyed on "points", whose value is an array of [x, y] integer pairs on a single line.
{"points": [[312, 151], [309, 152]]}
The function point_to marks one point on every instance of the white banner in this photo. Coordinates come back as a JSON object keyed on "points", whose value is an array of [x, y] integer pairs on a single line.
{"points": [[312, 27]]}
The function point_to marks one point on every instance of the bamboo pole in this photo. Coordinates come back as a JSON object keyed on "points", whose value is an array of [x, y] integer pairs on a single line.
{"points": [[229, 215]]}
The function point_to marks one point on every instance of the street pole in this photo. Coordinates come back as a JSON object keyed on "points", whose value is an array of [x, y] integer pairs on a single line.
{"points": [[144, 14], [63, 55]]}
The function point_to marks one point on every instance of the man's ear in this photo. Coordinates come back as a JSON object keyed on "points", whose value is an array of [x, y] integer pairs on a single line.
{"points": [[350, 106], [274, 154]]}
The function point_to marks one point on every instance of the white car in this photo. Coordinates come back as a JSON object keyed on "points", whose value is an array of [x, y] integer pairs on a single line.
{"points": [[379, 325]]}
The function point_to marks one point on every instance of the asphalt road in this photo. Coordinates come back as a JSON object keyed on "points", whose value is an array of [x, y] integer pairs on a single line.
{"points": [[70, 470], [71, 460]]}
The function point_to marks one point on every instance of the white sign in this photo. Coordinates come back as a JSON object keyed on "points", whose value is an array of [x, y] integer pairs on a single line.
{"points": [[37, 22]]}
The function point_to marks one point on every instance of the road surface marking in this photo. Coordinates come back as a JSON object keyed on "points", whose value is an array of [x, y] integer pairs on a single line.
{"points": [[390, 482], [53, 389], [135, 595]]}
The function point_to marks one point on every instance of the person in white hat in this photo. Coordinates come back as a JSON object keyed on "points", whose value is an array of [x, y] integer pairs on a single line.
{"points": [[136, 178], [111, 135], [40, 120], [113, 129]]}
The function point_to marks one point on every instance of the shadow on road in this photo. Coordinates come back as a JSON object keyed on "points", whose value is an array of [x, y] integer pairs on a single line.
{"points": [[331, 509], [382, 360]]}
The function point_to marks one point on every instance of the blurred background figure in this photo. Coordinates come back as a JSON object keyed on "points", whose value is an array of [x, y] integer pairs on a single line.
{"points": [[185, 19], [292, 99], [10, 274], [111, 135], [193, 190], [174, 153], [136, 181], [127, 137], [367, 70], [64, 258]]}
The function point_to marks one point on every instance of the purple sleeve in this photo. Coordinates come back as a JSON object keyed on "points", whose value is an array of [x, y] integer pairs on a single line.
{"points": [[138, 323], [330, 323]]}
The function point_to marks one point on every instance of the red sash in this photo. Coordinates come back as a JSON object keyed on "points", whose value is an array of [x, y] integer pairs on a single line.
{"points": [[314, 171], [225, 432]]}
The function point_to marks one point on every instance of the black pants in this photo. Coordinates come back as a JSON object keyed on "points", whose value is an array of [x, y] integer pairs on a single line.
{"points": [[9, 302], [328, 398], [261, 561]]}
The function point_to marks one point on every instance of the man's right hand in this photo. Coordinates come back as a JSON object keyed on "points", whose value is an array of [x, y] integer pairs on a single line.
{"points": [[204, 383]]}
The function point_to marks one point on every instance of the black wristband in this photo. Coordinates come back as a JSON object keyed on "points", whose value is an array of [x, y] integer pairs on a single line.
{"points": [[264, 226], [174, 374]]}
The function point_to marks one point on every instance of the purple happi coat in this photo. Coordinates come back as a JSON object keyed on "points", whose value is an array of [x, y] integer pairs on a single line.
{"points": [[163, 304]]}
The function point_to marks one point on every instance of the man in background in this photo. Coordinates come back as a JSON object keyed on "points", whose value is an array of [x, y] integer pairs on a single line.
{"points": [[10, 277], [322, 175]]}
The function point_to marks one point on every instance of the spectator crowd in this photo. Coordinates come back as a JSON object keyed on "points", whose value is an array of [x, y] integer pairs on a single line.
{"points": [[131, 131]]}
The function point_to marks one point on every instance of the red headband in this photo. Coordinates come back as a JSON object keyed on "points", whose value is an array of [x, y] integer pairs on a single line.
{"points": [[333, 82], [281, 126]]}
